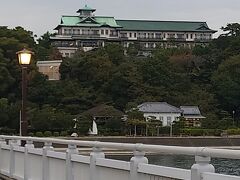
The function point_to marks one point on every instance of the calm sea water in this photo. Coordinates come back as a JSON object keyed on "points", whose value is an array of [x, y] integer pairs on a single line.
{"points": [[223, 166]]}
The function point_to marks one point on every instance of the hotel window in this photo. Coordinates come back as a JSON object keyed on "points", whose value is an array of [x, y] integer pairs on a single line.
{"points": [[187, 36], [158, 35], [150, 35], [130, 35], [102, 31], [106, 32], [67, 31], [135, 35], [191, 36], [161, 118]]}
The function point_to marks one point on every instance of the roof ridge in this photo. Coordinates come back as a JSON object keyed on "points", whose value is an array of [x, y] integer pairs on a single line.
{"points": [[70, 16], [105, 16], [177, 21], [155, 102], [189, 106]]}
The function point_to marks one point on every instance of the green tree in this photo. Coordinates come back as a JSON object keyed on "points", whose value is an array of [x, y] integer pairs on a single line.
{"points": [[232, 29], [227, 83]]}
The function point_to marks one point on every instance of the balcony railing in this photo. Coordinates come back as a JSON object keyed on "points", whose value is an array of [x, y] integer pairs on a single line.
{"points": [[202, 40], [85, 36], [176, 39], [150, 38], [114, 35], [45, 162]]}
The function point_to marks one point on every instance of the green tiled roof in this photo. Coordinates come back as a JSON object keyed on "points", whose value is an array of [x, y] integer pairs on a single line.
{"points": [[107, 20], [135, 25], [79, 21], [143, 25]]}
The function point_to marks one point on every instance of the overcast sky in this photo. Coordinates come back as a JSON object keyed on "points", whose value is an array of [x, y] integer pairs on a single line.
{"points": [[41, 16]]}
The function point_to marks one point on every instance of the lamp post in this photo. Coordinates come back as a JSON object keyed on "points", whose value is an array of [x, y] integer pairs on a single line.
{"points": [[233, 113], [24, 58]]}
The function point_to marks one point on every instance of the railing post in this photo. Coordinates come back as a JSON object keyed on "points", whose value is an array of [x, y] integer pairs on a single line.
{"points": [[12, 144], [72, 149], [96, 153], [45, 167], [139, 157], [29, 145], [2, 141], [202, 165]]}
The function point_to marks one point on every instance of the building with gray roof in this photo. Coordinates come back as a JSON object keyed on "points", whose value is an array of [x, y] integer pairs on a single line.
{"points": [[162, 111]]}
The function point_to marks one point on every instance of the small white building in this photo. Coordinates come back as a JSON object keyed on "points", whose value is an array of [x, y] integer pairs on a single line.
{"points": [[162, 111], [50, 69]]}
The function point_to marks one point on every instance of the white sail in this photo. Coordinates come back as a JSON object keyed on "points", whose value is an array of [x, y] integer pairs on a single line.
{"points": [[94, 129]]}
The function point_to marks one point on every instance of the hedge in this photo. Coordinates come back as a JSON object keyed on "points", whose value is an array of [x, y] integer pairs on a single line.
{"points": [[201, 132]]}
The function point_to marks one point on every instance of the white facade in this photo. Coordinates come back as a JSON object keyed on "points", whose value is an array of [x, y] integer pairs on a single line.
{"points": [[162, 111], [166, 118], [50, 69]]}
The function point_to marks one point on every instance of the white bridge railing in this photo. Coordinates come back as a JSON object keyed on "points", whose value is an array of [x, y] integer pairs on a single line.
{"points": [[30, 163]]}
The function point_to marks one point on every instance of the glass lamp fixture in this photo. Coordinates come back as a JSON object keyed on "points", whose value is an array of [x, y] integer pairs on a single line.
{"points": [[24, 56]]}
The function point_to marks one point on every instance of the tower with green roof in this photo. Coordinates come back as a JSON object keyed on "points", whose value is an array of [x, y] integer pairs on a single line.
{"points": [[86, 11]]}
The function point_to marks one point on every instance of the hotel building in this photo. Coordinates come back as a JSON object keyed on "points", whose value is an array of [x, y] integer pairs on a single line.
{"points": [[87, 31]]}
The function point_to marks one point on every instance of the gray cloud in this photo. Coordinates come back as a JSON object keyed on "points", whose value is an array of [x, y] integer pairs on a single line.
{"points": [[44, 15]]}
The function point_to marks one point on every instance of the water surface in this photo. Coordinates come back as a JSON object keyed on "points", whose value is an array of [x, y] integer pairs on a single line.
{"points": [[223, 166]]}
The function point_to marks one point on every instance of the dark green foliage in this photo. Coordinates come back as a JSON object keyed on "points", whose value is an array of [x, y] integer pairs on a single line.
{"points": [[226, 81], [201, 132], [49, 118], [39, 134], [64, 133], [56, 134], [84, 123], [205, 76], [47, 134]]}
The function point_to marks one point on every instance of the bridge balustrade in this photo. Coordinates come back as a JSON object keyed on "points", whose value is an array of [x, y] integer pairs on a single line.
{"points": [[46, 163]]}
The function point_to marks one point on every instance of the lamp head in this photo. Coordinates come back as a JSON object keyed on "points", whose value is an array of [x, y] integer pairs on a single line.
{"points": [[24, 56]]}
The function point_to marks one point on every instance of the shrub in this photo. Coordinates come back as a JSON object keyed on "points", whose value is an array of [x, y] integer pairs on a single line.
{"points": [[202, 132], [47, 134], [64, 133], [233, 131], [31, 134], [164, 130], [39, 134], [56, 134], [7, 131]]}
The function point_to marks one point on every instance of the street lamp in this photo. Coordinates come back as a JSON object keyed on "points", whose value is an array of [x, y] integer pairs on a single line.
{"points": [[24, 58], [233, 113]]}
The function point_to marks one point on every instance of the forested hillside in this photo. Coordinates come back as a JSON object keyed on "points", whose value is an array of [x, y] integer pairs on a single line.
{"points": [[205, 76]]}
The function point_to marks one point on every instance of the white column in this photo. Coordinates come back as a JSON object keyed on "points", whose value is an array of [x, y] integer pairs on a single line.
{"points": [[72, 149], [28, 145], [135, 161], [202, 165], [12, 144], [45, 165], [96, 153], [2, 141]]}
